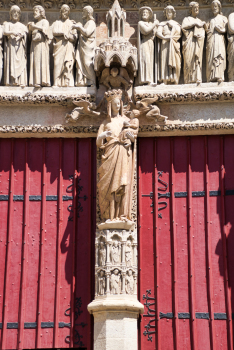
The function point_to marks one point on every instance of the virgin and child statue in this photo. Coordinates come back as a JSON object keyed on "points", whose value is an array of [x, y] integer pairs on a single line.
{"points": [[116, 138]]}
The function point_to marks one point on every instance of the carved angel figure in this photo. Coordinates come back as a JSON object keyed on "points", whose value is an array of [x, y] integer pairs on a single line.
{"points": [[15, 60], [129, 282], [146, 34], [216, 45], [64, 48], [85, 51], [115, 282], [115, 78], [85, 108], [101, 283], [169, 63], [39, 51], [230, 48], [193, 42], [145, 108]]}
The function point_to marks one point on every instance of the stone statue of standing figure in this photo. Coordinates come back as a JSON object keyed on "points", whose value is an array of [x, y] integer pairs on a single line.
{"points": [[146, 34], [193, 42], [216, 44], [15, 55], [169, 62], [118, 163], [64, 48], [85, 75], [39, 51], [230, 48]]}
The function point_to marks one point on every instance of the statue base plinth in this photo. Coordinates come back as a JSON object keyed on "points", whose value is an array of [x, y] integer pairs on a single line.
{"points": [[117, 225], [115, 323]]}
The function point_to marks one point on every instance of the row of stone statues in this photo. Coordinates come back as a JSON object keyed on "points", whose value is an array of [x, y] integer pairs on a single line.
{"points": [[163, 63], [116, 282], [158, 61], [64, 33]]}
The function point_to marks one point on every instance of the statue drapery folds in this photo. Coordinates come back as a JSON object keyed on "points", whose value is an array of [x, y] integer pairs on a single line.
{"points": [[64, 48], [15, 60], [117, 139], [169, 63], [216, 45], [193, 42], [146, 34]]}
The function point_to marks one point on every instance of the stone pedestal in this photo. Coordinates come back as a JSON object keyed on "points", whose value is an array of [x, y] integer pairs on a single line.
{"points": [[115, 308], [115, 323]]}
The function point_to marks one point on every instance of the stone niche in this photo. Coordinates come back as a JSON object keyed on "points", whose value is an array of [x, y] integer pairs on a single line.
{"points": [[116, 263]]}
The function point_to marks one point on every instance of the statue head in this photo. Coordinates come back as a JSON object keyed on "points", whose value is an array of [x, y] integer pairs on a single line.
{"points": [[129, 272], [39, 12], [88, 12], [101, 273], [15, 13], [64, 11], [114, 103], [216, 7], [194, 8], [114, 72], [169, 12], [146, 14], [116, 271]]}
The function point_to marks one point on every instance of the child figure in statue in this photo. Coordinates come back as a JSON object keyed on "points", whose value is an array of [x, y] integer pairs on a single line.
{"points": [[131, 126]]}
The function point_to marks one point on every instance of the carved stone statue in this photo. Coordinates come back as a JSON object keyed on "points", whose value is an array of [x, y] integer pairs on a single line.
{"points": [[145, 108], [193, 42], [169, 63], [115, 282], [114, 79], [146, 34], [115, 253], [128, 254], [85, 52], [102, 254], [39, 51], [101, 283], [230, 48], [216, 45], [64, 48], [117, 168], [129, 282], [15, 56]]}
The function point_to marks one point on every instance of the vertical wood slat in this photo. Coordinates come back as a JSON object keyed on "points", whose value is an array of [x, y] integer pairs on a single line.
{"points": [[156, 262], [41, 257], [174, 250], [24, 252], [72, 313], [191, 257], [8, 249], [208, 250], [224, 246], [139, 239], [58, 250]]}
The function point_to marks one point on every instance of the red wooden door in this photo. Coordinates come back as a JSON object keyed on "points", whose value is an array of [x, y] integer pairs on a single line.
{"points": [[186, 242], [47, 226]]}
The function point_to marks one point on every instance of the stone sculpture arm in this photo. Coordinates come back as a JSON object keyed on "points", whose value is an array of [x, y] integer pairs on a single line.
{"points": [[144, 29], [8, 32], [102, 135], [160, 34], [231, 23], [86, 31], [55, 30], [222, 29]]}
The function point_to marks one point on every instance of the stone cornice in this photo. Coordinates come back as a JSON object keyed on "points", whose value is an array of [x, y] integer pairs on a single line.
{"points": [[191, 93], [91, 131]]}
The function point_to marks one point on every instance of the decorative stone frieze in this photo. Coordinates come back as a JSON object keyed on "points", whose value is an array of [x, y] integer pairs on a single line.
{"points": [[116, 262]]}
